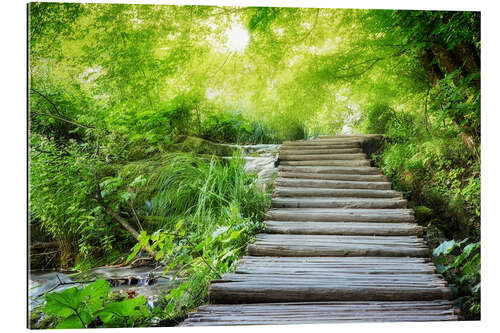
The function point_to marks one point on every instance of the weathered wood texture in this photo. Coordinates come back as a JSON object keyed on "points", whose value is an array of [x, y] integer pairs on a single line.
{"points": [[325, 162], [343, 228], [345, 184], [340, 215], [301, 157], [339, 246], [286, 245], [338, 176], [308, 202], [331, 170], [298, 151], [321, 312], [334, 193]]}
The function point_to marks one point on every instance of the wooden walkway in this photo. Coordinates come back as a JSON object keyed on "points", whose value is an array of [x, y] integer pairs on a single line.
{"points": [[340, 246]]}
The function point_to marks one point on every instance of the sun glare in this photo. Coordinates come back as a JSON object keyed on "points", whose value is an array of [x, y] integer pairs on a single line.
{"points": [[237, 38]]}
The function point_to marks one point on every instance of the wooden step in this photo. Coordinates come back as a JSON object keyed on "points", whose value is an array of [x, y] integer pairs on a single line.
{"points": [[333, 192], [331, 170], [322, 265], [321, 313], [339, 246], [349, 136], [345, 184], [320, 145], [338, 142], [310, 280], [340, 215], [324, 141], [294, 151], [339, 176], [343, 228], [315, 157], [310, 202], [349, 163]]}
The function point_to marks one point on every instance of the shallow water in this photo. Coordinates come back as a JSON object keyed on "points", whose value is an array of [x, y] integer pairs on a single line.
{"points": [[144, 280]]}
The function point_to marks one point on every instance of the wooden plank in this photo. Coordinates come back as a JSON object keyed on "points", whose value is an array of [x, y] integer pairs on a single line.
{"points": [[340, 215], [339, 143], [346, 184], [327, 163], [301, 157], [334, 265], [320, 145], [343, 228], [331, 170], [331, 192], [308, 202], [304, 175], [306, 290], [341, 246], [324, 141], [339, 260], [296, 151]]}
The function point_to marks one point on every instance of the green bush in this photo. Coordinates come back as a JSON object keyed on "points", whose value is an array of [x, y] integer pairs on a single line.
{"points": [[378, 118], [462, 265]]}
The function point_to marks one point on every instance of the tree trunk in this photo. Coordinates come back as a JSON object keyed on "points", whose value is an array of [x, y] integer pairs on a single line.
{"points": [[468, 56], [446, 58], [124, 223], [430, 66]]}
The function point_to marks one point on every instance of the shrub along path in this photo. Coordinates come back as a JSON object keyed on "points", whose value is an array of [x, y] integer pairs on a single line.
{"points": [[340, 246]]}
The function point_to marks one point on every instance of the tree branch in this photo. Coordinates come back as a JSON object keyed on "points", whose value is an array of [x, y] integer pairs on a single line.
{"points": [[64, 119], [47, 99], [124, 223]]}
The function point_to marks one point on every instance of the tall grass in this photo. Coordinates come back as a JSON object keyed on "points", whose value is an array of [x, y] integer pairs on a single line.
{"points": [[202, 191]]}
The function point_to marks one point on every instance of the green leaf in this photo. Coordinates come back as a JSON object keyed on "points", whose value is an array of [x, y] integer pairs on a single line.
{"points": [[138, 181], [125, 196], [94, 294], [135, 250], [72, 321], [447, 246], [122, 309], [63, 303], [234, 235], [179, 225]]}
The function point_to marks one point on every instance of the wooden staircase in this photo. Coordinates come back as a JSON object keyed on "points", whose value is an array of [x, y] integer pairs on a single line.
{"points": [[340, 246]]}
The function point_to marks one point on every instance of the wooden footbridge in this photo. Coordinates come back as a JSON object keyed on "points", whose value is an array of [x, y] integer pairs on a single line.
{"points": [[340, 246]]}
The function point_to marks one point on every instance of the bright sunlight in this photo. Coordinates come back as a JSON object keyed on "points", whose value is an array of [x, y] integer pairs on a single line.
{"points": [[237, 38]]}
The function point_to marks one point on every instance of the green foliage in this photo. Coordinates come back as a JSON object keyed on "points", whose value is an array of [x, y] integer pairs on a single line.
{"points": [[90, 307], [379, 118], [462, 265]]}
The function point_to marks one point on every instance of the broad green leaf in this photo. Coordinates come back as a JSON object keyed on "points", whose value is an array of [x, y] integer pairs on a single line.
{"points": [[94, 294], [72, 321], [121, 309], [63, 303]]}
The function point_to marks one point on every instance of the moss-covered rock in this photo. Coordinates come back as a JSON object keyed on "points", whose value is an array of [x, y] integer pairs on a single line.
{"points": [[184, 143]]}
